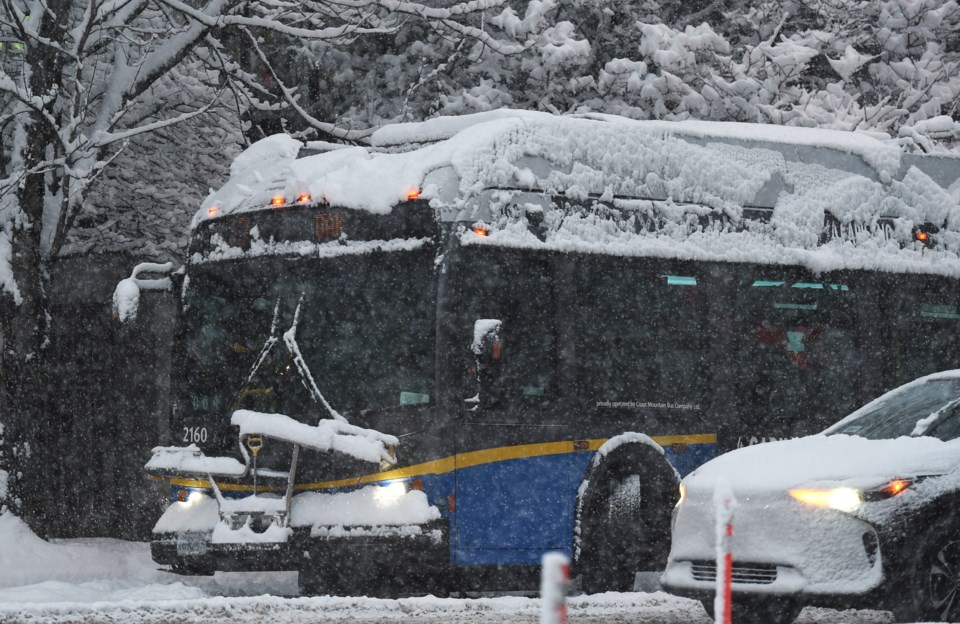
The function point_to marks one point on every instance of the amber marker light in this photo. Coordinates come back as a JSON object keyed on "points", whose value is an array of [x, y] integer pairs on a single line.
{"points": [[212, 211], [303, 198], [896, 486], [481, 231], [414, 194], [277, 201]]}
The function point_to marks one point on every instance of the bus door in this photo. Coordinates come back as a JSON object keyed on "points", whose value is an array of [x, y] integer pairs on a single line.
{"points": [[514, 487], [798, 354]]}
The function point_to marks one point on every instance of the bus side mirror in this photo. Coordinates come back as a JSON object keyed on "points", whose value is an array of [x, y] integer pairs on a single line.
{"points": [[126, 296], [488, 352]]}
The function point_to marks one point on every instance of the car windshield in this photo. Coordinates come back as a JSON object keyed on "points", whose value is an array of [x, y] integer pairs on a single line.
{"points": [[930, 408]]}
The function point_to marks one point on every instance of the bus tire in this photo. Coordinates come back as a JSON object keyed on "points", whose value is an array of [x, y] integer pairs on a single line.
{"points": [[623, 517]]}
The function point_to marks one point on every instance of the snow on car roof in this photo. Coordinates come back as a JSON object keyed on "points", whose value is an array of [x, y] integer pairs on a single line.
{"points": [[641, 167]]}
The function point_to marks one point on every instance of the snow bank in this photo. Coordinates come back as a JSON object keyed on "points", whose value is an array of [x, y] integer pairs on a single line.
{"points": [[26, 559], [162, 604], [327, 435]]}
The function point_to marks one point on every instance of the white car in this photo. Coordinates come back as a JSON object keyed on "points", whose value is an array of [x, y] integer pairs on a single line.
{"points": [[863, 515]]}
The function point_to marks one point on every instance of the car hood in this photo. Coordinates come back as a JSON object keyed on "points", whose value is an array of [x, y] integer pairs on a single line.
{"points": [[826, 459]]}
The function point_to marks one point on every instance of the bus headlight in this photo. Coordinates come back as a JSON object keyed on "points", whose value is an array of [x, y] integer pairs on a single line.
{"points": [[390, 494], [193, 498]]}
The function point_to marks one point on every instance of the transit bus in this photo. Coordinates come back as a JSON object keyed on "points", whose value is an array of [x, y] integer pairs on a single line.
{"points": [[538, 324]]}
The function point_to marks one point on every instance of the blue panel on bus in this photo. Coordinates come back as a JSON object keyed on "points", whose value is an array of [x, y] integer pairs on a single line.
{"points": [[518, 504], [690, 459], [511, 512]]}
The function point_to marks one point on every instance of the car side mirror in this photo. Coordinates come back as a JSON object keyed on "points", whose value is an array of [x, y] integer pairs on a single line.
{"points": [[487, 350], [126, 296]]}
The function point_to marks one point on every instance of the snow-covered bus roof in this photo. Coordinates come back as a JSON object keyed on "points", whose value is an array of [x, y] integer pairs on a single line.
{"points": [[504, 166]]}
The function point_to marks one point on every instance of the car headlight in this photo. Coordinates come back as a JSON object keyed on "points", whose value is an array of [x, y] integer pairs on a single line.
{"points": [[844, 499], [848, 499]]}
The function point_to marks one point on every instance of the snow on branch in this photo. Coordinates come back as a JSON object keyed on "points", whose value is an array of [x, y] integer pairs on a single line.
{"points": [[291, 100], [211, 20], [104, 138], [327, 435]]}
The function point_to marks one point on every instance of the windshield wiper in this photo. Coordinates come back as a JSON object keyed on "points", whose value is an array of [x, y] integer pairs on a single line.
{"points": [[924, 425], [261, 358], [290, 340]]}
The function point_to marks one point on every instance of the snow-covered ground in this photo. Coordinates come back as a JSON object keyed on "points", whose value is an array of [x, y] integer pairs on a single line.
{"points": [[106, 581]]}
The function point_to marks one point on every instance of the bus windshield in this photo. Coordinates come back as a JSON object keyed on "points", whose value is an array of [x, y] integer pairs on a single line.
{"points": [[363, 330]]}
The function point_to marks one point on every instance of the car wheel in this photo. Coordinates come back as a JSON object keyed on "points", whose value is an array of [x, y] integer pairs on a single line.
{"points": [[933, 577], [760, 610]]}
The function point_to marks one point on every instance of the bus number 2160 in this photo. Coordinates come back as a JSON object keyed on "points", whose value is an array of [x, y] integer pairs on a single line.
{"points": [[194, 434]]}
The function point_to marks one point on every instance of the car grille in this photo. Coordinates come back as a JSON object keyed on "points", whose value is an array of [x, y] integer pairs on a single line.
{"points": [[747, 573]]}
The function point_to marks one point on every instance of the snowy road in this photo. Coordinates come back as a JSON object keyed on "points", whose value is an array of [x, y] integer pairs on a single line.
{"points": [[656, 608], [104, 581]]}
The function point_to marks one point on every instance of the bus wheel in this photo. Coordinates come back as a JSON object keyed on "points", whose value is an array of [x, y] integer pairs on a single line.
{"points": [[624, 518]]}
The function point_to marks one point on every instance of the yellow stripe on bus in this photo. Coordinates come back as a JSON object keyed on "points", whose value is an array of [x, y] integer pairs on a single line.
{"points": [[450, 463]]}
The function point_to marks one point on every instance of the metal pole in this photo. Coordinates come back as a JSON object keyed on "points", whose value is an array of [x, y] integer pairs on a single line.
{"points": [[554, 583], [291, 480], [724, 503]]}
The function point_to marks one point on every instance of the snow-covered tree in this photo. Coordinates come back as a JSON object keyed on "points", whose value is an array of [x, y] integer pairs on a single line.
{"points": [[890, 66], [88, 85]]}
